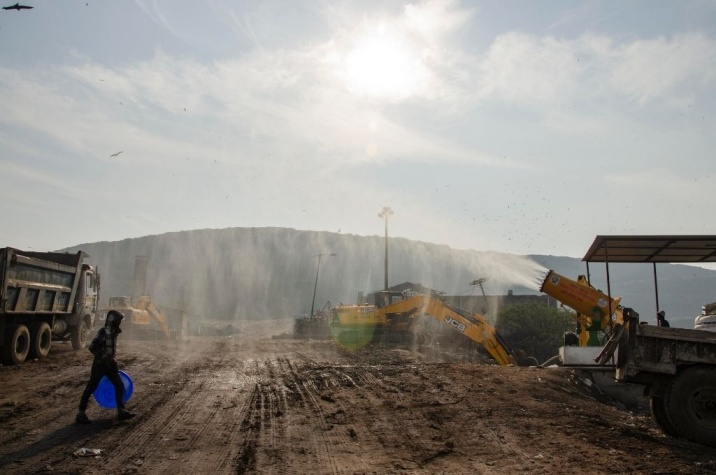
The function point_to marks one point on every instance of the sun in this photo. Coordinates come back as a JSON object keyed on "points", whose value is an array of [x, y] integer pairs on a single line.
{"points": [[382, 65]]}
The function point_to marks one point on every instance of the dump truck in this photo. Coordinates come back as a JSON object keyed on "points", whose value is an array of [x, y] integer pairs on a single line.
{"points": [[676, 366], [44, 296], [395, 316]]}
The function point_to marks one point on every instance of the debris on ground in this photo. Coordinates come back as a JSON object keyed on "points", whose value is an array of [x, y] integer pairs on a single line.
{"points": [[255, 404]]}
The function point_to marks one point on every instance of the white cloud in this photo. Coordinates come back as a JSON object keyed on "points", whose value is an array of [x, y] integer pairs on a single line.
{"points": [[530, 71], [433, 19], [270, 136], [534, 71], [649, 70]]}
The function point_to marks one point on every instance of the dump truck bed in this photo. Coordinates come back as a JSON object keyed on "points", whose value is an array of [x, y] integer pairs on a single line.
{"points": [[38, 282], [663, 350]]}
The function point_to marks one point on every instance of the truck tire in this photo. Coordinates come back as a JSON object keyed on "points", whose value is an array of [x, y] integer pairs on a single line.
{"points": [[80, 335], [690, 404], [658, 412], [17, 344], [40, 340]]}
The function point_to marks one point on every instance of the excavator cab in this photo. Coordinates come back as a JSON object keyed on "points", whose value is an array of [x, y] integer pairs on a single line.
{"points": [[388, 297]]}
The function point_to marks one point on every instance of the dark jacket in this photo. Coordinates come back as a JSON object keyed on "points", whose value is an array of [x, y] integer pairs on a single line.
{"points": [[104, 345]]}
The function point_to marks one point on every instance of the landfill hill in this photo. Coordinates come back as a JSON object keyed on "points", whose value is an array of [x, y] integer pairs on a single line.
{"points": [[239, 273]]}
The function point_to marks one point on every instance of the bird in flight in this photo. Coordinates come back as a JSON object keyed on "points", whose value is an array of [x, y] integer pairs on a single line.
{"points": [[17, 7], [116, 154]]}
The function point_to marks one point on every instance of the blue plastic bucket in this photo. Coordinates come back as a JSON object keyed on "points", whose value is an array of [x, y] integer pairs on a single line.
{"points": [[104, 394]]}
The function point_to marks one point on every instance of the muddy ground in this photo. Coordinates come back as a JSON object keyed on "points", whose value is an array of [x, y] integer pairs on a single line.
{"points": [[251, 403]]}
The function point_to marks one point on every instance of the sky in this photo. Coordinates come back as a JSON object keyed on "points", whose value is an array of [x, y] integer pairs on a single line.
{"points": [[512, 126]]}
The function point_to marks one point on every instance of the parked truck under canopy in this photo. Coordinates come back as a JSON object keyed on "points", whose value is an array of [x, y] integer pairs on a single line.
{"points": [[676, 366]]}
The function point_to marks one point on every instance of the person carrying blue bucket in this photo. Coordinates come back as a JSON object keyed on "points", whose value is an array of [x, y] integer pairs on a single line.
{"points": [[104, 348]]}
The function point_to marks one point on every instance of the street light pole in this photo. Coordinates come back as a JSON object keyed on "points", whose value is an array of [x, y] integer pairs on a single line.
{"points": [[384, 214], [315, 286], [479, 282]]}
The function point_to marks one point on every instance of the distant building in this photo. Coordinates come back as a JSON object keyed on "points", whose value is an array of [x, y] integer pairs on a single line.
{"points": [[406, 287]]}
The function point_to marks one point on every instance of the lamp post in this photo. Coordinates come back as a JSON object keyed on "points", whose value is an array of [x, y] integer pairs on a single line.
{"points": [[479, 282], [384, 214], [315, 286]]}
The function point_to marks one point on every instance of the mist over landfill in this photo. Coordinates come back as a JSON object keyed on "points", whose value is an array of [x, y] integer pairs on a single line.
{"points": [[258, 273]]}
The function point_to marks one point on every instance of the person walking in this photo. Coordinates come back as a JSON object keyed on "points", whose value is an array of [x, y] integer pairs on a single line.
{"points": [[104, 349]]}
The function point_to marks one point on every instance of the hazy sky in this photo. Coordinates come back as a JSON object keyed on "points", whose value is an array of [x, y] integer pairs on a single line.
{"points": [[517, 126]]}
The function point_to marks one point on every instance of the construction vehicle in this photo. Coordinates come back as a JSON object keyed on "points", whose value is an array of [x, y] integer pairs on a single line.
{"points": [[676, 366], [44, 296], [143, 319], [395, 316], [313, 326], [707, 319], [596, 314]]}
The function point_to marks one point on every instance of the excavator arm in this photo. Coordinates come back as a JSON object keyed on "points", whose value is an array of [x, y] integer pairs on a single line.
{"points": [[155, 313], [474, 326]]}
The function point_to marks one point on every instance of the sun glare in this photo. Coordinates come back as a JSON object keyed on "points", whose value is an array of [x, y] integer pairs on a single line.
{"points": [[382, 66]]}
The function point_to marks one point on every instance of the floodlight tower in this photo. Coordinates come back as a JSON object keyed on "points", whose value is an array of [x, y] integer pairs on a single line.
{"points": [[479, 282], [384, 214], [315, 285]]}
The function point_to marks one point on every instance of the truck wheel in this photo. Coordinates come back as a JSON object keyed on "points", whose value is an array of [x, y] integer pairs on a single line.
{"points": [[17, 344], [40, 340], [658, 412], [80, 335], [690, 405]]}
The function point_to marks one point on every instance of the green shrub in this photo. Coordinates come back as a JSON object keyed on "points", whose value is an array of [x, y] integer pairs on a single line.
{"points": [[535, 330]]}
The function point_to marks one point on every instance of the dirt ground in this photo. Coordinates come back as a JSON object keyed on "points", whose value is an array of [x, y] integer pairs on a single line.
{"points": [[251, 403]]}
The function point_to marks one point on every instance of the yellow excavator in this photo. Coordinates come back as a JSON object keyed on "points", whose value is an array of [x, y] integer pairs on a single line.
{"points": [[395, 315], [142, 317]]}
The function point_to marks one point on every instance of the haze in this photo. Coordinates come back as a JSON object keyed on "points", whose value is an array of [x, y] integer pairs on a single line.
{"points": [[519, 127]]}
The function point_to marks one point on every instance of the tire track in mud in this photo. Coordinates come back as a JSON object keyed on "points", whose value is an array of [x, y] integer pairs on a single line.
{"points": [[162, 417], [51, 434], [375, 388], [282, 407], [266, 427], [286, 406], [402, 389], [225, 419], [306, 392], [313, 385], [250, 423], [189, 420]]}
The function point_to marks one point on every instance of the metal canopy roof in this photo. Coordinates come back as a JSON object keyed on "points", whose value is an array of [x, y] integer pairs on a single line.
{"points": [[676, 248]]}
